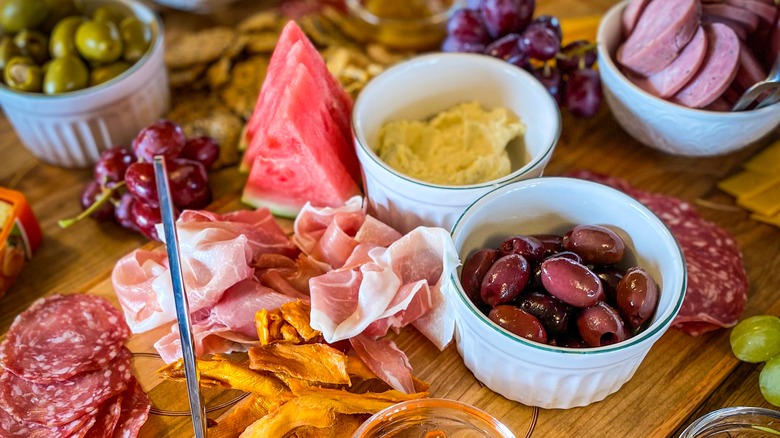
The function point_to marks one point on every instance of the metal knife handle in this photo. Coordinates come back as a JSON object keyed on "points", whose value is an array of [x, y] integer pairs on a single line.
{"points": [[197, 407]]}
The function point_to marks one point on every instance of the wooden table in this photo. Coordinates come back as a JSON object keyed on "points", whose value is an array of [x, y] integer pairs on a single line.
{"points": [[681, 378]]}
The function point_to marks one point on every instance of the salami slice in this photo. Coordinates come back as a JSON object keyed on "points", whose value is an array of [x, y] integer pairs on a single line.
{"points": [[107, 419], [717, 281], [12, 427], [61, 336], [135, 411], [59, 403]]}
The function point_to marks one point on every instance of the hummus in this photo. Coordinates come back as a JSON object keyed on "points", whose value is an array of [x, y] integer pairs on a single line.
{"points": [[460, 146]]}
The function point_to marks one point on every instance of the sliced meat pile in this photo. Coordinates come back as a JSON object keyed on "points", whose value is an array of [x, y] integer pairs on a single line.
{"points": [[66, 372], [717, 281], [699, 53]]}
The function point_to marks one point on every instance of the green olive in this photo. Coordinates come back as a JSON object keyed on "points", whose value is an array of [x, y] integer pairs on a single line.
{"points": [[58, 9], [105, 73], [33, 44], [7, 51], [108, 13], [16, 15], [63, 38], [65, 74], [23, 74], [99, 41], [136, 38]]}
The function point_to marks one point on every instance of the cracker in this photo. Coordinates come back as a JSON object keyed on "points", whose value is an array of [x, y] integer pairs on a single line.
{"points": [[185, 77], [219, 73], [261, 43], [240, 95], [200, 47], [262, 21]]}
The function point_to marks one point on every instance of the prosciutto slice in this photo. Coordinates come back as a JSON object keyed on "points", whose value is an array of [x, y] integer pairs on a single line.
{"points": [[217, 251], [386, 360]]}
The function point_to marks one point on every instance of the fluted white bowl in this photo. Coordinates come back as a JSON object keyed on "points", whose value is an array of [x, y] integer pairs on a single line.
{"points": [[71, 129], [424, 86], [664, 125], [541, 375]]}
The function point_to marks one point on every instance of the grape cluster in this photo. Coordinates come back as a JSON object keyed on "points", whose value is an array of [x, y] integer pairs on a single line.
{"points": [[506, 30], [125, 190], [757, 339]]}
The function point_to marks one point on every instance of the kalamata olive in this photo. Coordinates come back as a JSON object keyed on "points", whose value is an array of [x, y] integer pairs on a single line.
{"points": [[474, 271], [504, 280], [535, 280], [571, 282], [637, 296], [610, 276], [526, 246], [550, 242], [595, 244], [568, 255], [553, 313], [519, 322], [601, 325]]}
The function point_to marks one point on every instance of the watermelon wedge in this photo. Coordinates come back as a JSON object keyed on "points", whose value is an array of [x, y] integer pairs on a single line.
{"points": [[300, 148]]}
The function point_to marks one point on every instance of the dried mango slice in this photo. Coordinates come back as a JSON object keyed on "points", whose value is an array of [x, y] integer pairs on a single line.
{"points": [[766, 161], [240, 418], [365, 400], [298, 412], [223, 372], [345, 425], [315, 362], [748, 183], [297, 315], [766, 203]]}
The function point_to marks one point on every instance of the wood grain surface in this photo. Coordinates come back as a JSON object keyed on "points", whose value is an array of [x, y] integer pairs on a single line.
{"points": [[681, 378]]}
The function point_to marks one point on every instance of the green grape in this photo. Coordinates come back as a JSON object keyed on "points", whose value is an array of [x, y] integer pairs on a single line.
{"points": [[769, 381], [756, 339]]}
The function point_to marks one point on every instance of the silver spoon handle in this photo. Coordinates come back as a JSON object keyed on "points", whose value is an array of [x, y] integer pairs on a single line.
{"points": [[197, 407]]}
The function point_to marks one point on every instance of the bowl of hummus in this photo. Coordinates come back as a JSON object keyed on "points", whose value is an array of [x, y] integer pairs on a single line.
{"points": [[435, 133]]}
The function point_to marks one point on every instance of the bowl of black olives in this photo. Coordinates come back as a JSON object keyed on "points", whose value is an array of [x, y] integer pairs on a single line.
{"points": [[80, 77], [564, 288]]}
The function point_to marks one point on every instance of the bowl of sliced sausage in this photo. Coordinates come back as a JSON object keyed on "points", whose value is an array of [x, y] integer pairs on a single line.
{"points": [[673, 69]]}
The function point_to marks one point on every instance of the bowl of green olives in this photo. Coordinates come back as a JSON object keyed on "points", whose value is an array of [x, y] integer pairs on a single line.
{"points": [[80, 76]]}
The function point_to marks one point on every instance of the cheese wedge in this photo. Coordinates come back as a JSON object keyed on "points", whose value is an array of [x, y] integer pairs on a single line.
{"points": [[766, 161], [772, 220], [766, 203], [749, 183]]}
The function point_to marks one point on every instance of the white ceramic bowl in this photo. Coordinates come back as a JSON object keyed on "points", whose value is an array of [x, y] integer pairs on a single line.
{"points": [[424, 86], [556, 377], [196, 6], [666, 126], [71, 129]]}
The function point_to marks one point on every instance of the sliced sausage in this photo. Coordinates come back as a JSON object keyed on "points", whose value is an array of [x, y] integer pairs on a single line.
{"points": [[631, 15], [717, 70], [718, 104], [663, 30], [765, 11], [742, 16], [740, 29], [750, 69], [673, 77]]}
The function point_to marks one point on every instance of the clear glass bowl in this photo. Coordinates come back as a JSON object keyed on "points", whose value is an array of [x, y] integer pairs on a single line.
{"points": [[735, 422], [432, 418]]}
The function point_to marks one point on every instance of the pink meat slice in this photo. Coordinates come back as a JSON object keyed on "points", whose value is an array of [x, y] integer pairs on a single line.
{"points": [[717, 281], [764, 10], [717, 71], [14, 427], [742, 16], [719, 104], [107, 419], [673, 77], [386, 360], [738, 28], [134, 411], [61, 336], [750, 69], [60, 403], [663, 30], [631, 15]]}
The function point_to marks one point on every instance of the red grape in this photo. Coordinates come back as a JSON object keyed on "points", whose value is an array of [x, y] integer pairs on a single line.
{"points": [[506, 16], [452, 44], [112, 164], [549, 22], [141, 183], [551, 79], [189, 184], [582, 94], [160, 138], [575, 52], [122, 211], [540, 43], [507, 47], [90, 195], [204, 150], [145, 218], [466, 26]]}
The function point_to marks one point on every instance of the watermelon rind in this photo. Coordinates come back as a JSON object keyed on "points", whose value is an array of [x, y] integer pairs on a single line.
{"points": [[289, 211]]}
